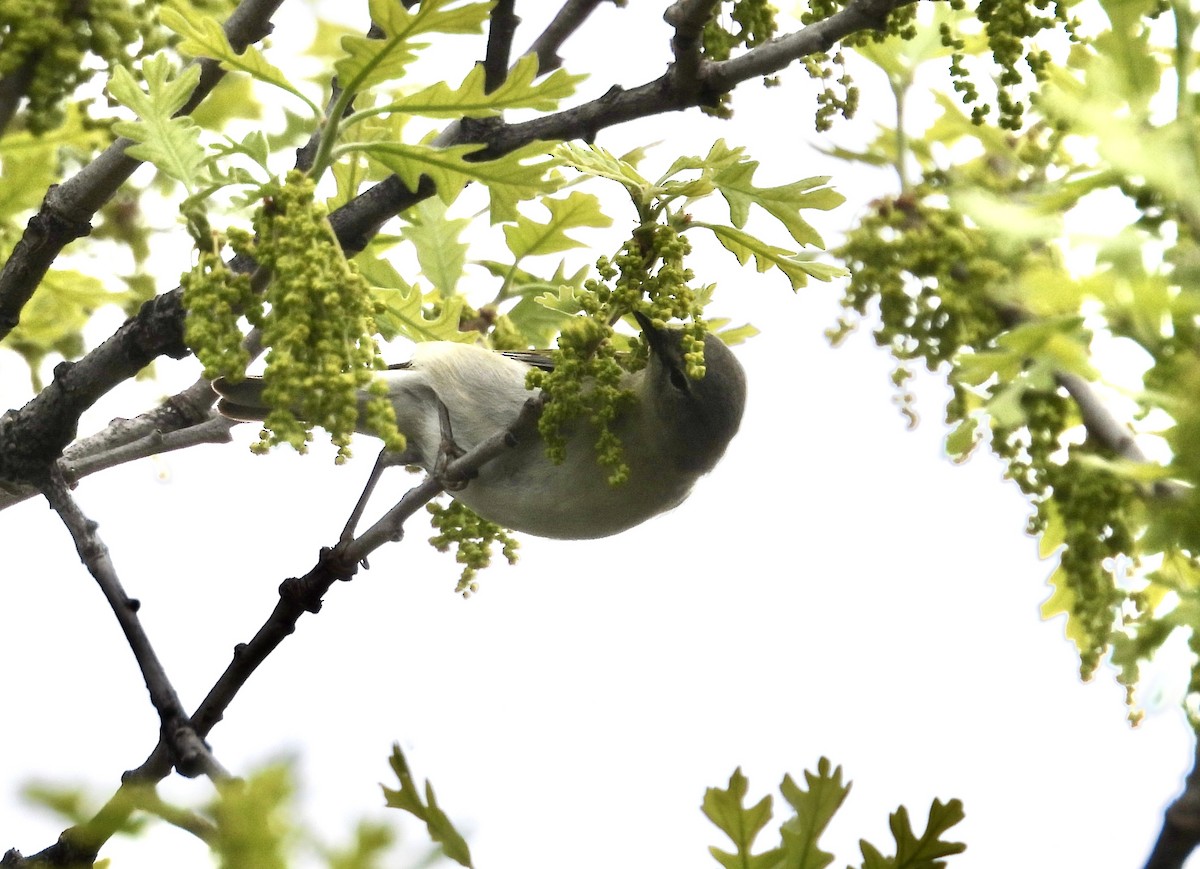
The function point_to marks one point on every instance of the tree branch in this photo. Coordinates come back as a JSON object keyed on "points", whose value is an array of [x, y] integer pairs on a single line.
{"points": [[183, 420], [67, 209], [816, 38], [12, 88], [501, 29], [36, 435], [78, 846], [569, 19], [189, 753], [688, 17], [1180, 833]]}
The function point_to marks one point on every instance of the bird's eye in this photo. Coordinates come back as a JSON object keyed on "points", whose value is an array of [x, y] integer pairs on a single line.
{"points": [[678, 380]]}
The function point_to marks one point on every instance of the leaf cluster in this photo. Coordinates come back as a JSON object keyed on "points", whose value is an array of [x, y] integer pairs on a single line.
{"points": [[971, 271], [812, 807]]}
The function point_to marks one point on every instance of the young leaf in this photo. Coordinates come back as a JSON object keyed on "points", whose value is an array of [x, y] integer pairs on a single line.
{"points": [[403, 306], [814, 808], [922, 852], [741, 824], [408, 798], [171, 144], [537, 323], [469, 99], [508, 180], [251, 817], [529, 238], [783, 203], [594, 160], [204, 37], [798, 270], [368, 62], [435, 237], [446, 167]]}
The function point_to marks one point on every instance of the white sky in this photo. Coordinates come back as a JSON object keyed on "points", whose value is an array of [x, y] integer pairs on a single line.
{"points": [[835, 587]]}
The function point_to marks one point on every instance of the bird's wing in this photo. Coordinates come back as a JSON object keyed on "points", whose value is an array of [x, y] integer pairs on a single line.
{"points": [[532, 358], [242, 400]]}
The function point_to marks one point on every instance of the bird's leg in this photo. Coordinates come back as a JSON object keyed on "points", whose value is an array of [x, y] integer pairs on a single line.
{"points": [[387, 459], [448, 451]]}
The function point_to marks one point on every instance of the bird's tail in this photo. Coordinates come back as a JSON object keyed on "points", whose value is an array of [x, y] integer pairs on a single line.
{"points": [[243, 400]]}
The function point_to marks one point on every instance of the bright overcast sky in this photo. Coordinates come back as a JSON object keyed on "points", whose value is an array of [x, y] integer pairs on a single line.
{"points": [[835, 587]]}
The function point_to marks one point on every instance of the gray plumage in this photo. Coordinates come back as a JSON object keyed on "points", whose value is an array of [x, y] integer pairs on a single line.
{"points": [[674, 431]]}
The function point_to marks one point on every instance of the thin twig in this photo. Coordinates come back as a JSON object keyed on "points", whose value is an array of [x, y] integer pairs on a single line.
{"points": [[148, 799], [190, 754], [569, 19], [297, 596]]}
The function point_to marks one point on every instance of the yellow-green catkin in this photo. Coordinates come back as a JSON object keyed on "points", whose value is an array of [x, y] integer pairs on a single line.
{"points": [[647, 276], [50, 42], [316, 317], [472, 537]]}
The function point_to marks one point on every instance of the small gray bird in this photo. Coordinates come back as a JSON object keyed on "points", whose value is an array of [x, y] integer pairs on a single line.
{"points": [[674, 431]]}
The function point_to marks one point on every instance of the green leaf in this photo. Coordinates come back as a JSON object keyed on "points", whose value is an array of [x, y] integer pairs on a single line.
{"points": [[741, 824], [814, 808], [797, 269], [202, 36], [507, 178], [403, 308], [963, 439], [1062, 601], [1127, 46], [434, 236], [446, 167], [1138, 472], [368, 62], [528, 237], [734, 335], [251, 816], [469, 99], [1054, 534], [233, 98], [408, 798], [784, 202], [171, 144], [32, 162], [54, 319], [371, 840], [596, 161], [1005, 406], [924, 851], [536, 322], [1060, 342]]}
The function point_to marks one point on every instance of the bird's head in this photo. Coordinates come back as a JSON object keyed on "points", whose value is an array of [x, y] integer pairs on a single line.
{"points": [[702, 415]]}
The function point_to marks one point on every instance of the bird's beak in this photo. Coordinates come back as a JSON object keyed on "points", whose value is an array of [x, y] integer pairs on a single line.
{"points": [[654, 336]]}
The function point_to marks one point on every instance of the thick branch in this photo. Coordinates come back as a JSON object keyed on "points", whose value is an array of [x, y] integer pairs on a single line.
{"points": [[67, 210], [688, 17], [32, 438], [502, 28], [37, 433], [12, 88], [1180, 833], [816, 38]]}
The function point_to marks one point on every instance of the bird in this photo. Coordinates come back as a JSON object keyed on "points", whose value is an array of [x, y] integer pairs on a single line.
{"points": [[674, 431]]}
